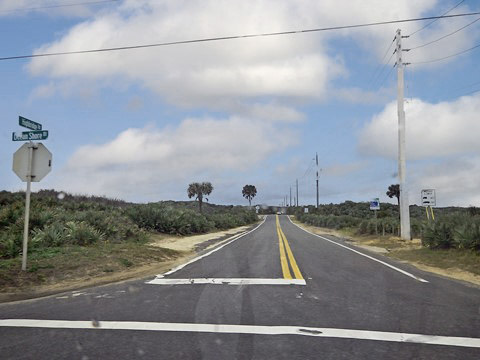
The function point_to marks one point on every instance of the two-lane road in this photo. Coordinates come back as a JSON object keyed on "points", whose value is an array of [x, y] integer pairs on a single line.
{"points": [[276, 292]]}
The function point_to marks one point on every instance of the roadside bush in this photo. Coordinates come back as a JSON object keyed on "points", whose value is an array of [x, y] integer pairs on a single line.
{"points": [[52, 235], [438, 236], [80, 233], [10, 244], [184, 221], [467, 236]]}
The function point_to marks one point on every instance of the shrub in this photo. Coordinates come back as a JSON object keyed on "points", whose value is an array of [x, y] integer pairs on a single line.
{"points": [[52, 235], [468, 236], [10, 244], [438, 236], [80, 233]]}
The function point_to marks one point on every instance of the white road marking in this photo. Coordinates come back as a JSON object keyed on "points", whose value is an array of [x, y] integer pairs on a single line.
{"points": [[367, 256], [227, 281], [232, 239], [247, 329]]}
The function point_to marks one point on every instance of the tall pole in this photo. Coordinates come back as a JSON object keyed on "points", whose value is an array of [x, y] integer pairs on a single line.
{"points": [[297, 192], [27, 207], [290, 196], [316, 159], [402, 168]]}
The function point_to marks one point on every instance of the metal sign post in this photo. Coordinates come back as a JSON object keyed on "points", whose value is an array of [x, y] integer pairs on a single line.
{"points": [[27, 206], [375, 205]]}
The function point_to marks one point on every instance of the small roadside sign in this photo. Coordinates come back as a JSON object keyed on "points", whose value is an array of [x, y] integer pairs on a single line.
{"points": [[428, 197], [29, 124], [375, 204], [30, 135], [305, 210]]}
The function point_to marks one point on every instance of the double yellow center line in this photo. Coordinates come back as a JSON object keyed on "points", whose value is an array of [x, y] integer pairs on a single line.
{"points": [[284, 252]]}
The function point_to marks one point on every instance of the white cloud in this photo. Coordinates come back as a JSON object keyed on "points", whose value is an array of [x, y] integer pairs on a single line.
{"points": [[212, 74], [455, 181], [139, 162], [433, 130]]}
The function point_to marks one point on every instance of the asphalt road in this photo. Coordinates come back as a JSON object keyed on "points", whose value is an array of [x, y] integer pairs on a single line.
{"points": [[277, 292]]}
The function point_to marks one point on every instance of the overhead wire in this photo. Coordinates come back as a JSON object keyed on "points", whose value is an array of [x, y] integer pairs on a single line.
{"points": [[223, 38], [57, 6], [374, 74], [430, 23], [383, 69], [446, 57], [445, 36]]}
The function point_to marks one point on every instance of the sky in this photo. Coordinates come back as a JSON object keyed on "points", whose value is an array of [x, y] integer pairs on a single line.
{"points": [[142, 124]]}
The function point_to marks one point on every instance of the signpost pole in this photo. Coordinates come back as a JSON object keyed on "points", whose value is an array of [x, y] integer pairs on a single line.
{"points": [[27, 207], [376, 224]]}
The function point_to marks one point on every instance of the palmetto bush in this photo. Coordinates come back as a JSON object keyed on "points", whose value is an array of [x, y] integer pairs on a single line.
{"points": [[453, 231], [184, 221], [467, 236], [81, 233], [438, 236], [52, 235]]}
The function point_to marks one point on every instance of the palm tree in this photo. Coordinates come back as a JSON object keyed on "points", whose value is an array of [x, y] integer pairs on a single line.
{"points": [[249, 192], [199, 190], [394, 190]]}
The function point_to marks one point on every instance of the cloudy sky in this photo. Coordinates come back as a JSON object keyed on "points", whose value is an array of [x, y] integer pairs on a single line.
{"points": [[142, 124]]}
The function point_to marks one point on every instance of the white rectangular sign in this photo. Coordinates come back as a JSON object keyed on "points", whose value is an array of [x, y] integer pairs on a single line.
{"points": [[375, 204], [428, 197]]}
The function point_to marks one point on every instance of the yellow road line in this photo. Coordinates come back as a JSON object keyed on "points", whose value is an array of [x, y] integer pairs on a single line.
{"points": [[293, 263], [283, 257], [282, 241]]}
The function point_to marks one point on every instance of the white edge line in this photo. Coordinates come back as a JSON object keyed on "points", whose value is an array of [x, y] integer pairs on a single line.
{"points": [[232, 239], [360, 253], [247, 329], [227, 281]]}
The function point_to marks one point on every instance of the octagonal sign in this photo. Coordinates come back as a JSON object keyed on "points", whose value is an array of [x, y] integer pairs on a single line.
{"points": [[41, 162]]}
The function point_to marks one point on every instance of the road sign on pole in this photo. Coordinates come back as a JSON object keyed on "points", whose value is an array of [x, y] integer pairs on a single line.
{"points": [[41, 162], [428, 197], [375, 204], [31, 162], [30, 135], [29, 124]]}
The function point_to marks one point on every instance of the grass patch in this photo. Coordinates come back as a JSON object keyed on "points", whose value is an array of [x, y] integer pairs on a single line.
{"points": [[54, 265], [445, 259]]}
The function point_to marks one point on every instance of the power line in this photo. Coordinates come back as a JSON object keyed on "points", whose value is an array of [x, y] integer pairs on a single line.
{"points": [[388, 75], [430, 23], [383, 69], [221, 38], [374, 75], [446, 57], [445, 36], [57, 6]]}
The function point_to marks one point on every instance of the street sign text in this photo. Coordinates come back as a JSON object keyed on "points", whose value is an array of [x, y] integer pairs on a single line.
{"points": [[29, 124]]}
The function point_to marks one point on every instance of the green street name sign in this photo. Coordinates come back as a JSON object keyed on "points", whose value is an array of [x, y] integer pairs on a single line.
{"points": [[29, 124], [30, 135]]}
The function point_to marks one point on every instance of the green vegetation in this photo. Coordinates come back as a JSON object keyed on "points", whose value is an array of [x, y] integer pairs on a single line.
{"points": [[180, 219], [454, 228], [59, 219]]}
